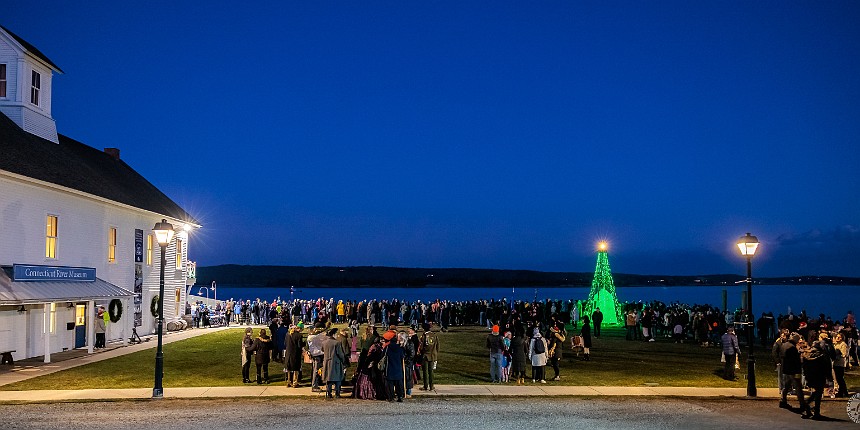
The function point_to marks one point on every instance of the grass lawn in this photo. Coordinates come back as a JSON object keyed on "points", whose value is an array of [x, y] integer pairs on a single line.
{"points": [[214, 360]]}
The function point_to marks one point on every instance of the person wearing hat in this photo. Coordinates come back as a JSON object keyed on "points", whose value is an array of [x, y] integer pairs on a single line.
{"points": [[731, 351], [395, 368], [496, 346], [537, 355], [247, 353], [430, 352], [334, 364]]}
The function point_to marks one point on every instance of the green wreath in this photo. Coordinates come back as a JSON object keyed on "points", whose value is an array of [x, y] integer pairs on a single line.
{"points": [[115, 310], [153, 307]]}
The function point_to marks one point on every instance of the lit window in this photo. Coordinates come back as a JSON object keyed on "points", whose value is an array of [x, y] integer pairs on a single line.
{"points": [[149, 240], [53, 321], [112, 245], [2, 80], [51, 237], [35, 87], [178, 254], [178, 297], [80, 315]]}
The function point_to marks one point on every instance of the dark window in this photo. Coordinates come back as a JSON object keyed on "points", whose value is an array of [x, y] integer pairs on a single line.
{"points": [[2, 80], [35, 87]]}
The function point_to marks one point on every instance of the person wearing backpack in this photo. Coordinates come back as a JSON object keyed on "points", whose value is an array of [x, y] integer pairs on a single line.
{"points": [[537, 354]]}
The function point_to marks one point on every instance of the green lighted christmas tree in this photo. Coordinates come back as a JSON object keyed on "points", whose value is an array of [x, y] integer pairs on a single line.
{"points": [[602, 294]]}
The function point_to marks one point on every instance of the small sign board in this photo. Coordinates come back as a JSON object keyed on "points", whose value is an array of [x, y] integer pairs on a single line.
{"points": [[30, 272]]}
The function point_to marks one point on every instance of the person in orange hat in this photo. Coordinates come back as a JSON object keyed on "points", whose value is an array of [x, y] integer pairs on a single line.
{"points": [[496, 346]]}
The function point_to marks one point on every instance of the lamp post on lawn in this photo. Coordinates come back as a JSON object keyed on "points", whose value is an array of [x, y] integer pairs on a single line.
{"points": [[748, 245], [163, 233]]}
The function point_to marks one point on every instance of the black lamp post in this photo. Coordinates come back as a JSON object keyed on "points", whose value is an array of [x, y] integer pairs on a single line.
{"points": [[748, 245], [163, 233]]}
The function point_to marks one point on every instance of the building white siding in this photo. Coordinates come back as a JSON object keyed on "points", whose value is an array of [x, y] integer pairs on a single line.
{"points": [[82, 241], [35, 119]]}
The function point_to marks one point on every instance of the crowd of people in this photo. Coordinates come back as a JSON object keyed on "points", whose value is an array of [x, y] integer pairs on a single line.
{"points": [[389, 364]]}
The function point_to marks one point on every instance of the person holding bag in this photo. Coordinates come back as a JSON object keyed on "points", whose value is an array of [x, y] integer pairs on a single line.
{"points": [[730, 351]]}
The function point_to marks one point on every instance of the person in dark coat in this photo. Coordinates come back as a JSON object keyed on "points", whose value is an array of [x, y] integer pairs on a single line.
{"points": [[368, 385], [518, 354], [556, 344], [817, 367], [293, 356], [585, 332], [395, 376], [789, 357], [334, 364], [262, 356], [279, 333], [597, 317]]}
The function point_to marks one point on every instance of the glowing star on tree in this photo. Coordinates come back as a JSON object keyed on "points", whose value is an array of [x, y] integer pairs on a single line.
{"points": [[602, 294]]}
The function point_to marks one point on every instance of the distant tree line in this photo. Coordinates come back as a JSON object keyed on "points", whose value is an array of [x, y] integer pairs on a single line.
{"points": [[347, 276]]}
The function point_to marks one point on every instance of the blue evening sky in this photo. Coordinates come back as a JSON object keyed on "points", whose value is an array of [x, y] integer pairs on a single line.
{"points": [[483, 134]]}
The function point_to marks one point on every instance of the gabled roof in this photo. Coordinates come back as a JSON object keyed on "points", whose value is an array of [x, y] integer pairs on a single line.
{"points": [[32, 49], [75, 165]]}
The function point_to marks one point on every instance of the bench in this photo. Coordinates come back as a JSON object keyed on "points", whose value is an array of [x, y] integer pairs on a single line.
{"points": [[7, 357]]}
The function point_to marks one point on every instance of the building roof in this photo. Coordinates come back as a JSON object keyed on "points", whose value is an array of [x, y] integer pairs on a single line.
{"points": [[75, 165], [32, 49], [35, 292]]}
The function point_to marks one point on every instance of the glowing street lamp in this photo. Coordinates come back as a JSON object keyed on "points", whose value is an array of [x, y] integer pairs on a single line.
{"points": [[748, 245], [163, 234]]}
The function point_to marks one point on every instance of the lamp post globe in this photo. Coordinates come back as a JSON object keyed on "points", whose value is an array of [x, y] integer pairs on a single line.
{"points": [[748, 245], [163, 234]]}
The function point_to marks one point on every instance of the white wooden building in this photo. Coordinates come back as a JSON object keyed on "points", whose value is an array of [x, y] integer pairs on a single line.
{"points": [[69, 212]]}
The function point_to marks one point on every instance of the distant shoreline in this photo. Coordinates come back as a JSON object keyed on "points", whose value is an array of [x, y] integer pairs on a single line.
{"points": [[399, 277], [523, 287]]}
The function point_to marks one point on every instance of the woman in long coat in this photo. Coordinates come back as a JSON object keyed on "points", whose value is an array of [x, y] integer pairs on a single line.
{"points": [[586, 337], [519, 349], [293, 356], [538, 359], [368, 380]]}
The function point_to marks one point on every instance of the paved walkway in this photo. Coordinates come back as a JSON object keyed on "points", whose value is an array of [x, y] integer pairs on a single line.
{"points": [[31, 368]]}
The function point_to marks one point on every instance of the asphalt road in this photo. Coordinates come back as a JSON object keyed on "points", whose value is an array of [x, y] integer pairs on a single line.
{"points": [[424, 414]]}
